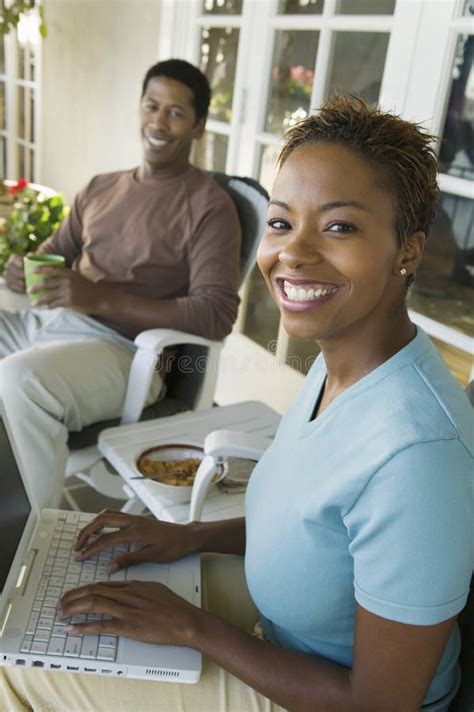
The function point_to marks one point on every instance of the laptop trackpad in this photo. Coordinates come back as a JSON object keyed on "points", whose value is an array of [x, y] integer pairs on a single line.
{"points": [[177, 578], [147, 572]]}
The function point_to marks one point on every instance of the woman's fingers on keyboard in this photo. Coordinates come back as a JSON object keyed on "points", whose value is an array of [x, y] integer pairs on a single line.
{"points": [[95, 604], [105, 589], [107, 518], [123, 561], [104, 541]]}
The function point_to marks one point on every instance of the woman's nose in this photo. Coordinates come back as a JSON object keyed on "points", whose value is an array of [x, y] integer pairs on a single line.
{"points": [[301, 249]]}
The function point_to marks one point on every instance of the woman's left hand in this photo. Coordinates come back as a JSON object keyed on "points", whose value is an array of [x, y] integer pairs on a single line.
{"points": [[141, 610]]}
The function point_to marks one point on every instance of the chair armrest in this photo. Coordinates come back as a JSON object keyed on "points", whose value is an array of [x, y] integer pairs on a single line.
{"points": [[150, 345], [157, 339]]}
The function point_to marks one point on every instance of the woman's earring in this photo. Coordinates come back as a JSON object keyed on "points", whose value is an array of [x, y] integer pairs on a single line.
{"points": [[403, 271]]}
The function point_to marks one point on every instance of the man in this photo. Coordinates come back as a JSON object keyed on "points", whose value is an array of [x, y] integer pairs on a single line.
{"points": [[157, 246]]}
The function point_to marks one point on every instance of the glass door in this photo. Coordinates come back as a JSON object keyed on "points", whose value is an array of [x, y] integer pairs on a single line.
{"points": [[442, 298], [270, 63]]}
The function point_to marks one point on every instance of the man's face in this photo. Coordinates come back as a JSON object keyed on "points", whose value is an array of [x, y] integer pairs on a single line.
{"points": [[168, 123]]}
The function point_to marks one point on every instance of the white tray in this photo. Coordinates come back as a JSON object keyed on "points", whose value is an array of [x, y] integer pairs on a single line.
{"points": [[121, 446]]}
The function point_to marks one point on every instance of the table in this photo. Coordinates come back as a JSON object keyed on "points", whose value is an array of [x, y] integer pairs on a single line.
{"points": [[122, 445]]}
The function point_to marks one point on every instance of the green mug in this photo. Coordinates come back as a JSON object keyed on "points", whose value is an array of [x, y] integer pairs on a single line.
{"points": [[32, 261]]}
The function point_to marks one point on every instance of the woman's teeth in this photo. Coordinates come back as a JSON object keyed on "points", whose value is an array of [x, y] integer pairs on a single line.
{"points": [[300, 294]]}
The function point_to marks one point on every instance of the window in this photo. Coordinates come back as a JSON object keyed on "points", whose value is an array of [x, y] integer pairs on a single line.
{"points": [[19, 96]]}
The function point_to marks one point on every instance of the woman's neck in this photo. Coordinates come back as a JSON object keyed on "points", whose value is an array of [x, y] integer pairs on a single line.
{"points": [[349, 358]]}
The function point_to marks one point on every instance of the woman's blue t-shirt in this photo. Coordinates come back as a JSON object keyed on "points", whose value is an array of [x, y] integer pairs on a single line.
{"points": [[370, 502]]}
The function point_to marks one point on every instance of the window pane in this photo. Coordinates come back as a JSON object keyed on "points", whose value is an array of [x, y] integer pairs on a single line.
{"points": [[294, 56], [210, 152], [457, 147], [300, 7], [32, 116], [218, 61], [32, 172], [21, 170], [21, 112], [222, 7], [2, 106], [358, 64], [3, 156], [268, 166], [2, 54], [21, 62], [262, 317], [469, 7], [301, 354], [444, 286], [366, 7]]}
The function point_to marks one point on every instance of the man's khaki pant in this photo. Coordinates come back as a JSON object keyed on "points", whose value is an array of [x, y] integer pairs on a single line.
{"points": [[59, 371]]}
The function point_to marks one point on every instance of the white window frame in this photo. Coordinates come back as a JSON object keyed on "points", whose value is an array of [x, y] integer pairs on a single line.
{"points": [[10, 133]]}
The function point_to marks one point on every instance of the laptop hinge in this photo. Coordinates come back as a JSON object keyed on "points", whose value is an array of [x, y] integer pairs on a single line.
{"points": [[25, 571]]}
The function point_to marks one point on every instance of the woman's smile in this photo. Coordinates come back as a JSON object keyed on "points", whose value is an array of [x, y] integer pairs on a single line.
{"points": [[299, 295]]}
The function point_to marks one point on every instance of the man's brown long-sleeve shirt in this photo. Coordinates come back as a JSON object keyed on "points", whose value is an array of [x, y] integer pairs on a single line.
{"points": [[175, 235]]}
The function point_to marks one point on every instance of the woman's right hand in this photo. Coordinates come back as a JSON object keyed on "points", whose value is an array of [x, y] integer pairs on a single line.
{"points": [[14, 274], [153, 540]]}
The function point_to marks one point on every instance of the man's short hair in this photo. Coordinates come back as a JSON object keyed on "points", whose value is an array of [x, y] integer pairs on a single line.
{"points": [[187, 74]]}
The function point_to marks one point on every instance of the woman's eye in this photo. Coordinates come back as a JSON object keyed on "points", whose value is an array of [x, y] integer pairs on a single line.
{"points": [[341, 228], [278, 224]]}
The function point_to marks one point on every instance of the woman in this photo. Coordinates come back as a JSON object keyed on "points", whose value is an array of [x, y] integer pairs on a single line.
{"points": [[357, 540]]}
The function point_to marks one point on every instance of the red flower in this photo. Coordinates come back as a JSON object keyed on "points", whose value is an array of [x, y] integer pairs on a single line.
{"points": [[19, 187]]}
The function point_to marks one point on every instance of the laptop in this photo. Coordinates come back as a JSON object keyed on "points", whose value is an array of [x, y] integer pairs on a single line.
{"points": [[37, 567]]}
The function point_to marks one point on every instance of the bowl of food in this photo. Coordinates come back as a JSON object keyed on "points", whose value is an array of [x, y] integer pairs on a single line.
{"points": [[171, 469]]}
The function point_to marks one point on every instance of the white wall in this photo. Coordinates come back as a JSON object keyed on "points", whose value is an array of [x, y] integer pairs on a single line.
{"points": [[94, 60]]}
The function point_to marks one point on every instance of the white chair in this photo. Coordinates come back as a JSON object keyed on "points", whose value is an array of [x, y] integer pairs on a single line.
{"points": [[185, 391]]}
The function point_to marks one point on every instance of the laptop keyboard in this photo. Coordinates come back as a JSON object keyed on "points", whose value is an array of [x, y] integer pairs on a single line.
{"points": [[45, 632]]}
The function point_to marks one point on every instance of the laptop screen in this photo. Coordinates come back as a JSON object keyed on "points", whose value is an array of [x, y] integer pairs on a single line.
{"points": [[14, 506]]}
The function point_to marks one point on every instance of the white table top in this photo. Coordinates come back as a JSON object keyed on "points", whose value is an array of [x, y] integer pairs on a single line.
{"points": [[123, 444]]}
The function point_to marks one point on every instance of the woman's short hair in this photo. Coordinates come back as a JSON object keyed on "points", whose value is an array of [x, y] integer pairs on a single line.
{"points": [[400, 151], [187, 74]]}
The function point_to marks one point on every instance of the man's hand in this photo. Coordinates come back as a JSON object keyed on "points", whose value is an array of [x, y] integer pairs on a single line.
{"points": [[14, 274], [140, 610], [66, 288], [153, 540]]}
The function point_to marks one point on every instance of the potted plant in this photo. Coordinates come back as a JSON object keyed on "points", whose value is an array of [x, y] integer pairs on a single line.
{"points": [[29, 214]]}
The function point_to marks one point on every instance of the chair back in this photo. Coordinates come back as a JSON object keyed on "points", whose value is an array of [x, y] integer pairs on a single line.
{"points": [[251, 201]]}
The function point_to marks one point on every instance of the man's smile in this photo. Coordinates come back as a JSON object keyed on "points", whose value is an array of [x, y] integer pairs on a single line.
{"points": [[156, 141]]}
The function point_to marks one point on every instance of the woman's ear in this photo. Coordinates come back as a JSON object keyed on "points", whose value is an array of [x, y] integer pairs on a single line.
{"points": [[411, 253]]}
